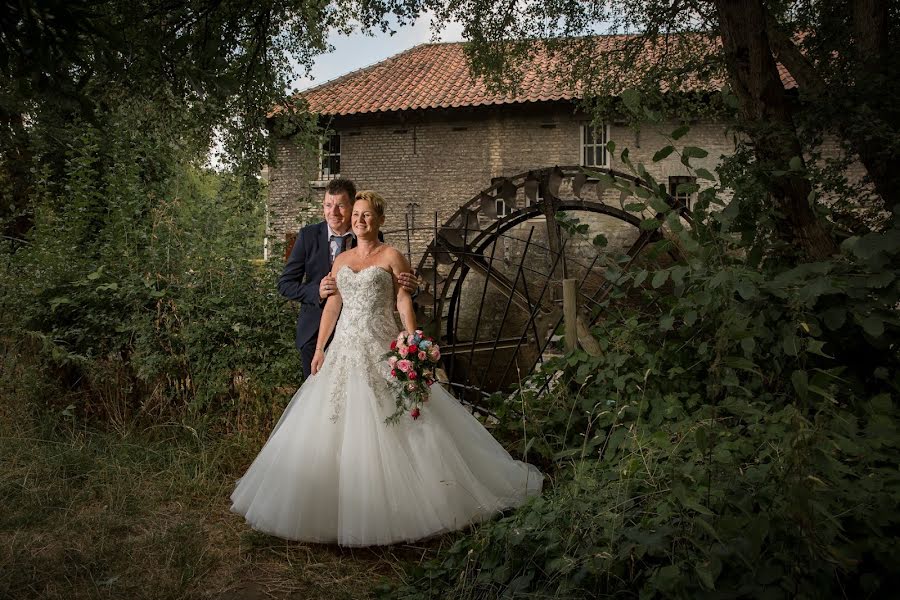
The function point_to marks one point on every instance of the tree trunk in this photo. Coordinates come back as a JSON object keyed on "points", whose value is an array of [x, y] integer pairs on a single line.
{"points": [[871, 145], [870, 23], [767, 118], [872, 50]]}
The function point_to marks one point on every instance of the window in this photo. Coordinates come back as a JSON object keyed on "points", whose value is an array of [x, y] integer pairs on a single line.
{"points": [[685, 196], [504, 211], [593, 146], [330, 157]]}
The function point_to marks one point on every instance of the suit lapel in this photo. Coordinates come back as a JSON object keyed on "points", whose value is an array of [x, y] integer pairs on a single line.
{"points": [[325, 248]]}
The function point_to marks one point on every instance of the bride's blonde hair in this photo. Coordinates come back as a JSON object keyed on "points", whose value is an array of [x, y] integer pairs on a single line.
{"points": [[377, 202]]}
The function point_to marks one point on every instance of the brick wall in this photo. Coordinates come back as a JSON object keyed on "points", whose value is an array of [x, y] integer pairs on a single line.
{"points": [[291, 201], [435, 161]]}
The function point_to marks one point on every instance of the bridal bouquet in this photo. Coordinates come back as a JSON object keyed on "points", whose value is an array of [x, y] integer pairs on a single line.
{"points": [[412, 358]]}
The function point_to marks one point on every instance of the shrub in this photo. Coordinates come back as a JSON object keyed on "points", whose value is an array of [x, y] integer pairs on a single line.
{"points": [[736, 437], [139, 287]]}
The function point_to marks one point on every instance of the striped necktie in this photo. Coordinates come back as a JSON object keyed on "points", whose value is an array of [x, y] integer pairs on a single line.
{"points": [[343, 241]]}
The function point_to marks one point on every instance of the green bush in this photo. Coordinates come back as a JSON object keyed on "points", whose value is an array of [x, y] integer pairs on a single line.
{"points": [[737, 436], [139, 286]]}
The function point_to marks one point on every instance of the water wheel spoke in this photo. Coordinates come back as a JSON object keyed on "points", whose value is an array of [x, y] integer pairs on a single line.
{"points": [[485, 342], [501, 282]]}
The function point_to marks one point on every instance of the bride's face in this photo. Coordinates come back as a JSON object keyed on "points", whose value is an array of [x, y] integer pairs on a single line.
{"points": [[365, 220]]}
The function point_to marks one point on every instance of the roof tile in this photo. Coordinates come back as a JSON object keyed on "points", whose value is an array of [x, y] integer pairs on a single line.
{"points": [[437, 75]]}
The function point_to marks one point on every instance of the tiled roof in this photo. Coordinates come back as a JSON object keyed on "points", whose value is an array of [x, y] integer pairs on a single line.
{"points": [[437, 76]]}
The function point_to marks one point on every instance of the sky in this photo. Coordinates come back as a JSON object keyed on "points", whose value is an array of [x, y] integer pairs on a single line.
{"points": [[359, 50], [355, 52]]}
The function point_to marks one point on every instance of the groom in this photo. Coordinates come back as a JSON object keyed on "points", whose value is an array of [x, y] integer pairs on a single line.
{"points": [[306, 276]]}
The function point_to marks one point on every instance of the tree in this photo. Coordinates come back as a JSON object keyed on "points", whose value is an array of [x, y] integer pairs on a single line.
{"points": [[200, 67], [767, 115], [743, 40], [846, 66]]}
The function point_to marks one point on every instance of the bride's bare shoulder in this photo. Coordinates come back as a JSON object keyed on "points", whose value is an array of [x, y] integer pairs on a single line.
{"points": [[390, 252], [397, 260], [341, 260]]}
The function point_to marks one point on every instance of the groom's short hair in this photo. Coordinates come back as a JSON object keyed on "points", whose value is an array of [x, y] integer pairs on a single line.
{"points": [[341, 185]]}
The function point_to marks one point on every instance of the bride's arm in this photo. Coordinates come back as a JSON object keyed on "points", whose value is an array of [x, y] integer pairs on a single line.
{"points": [[399, 264], [326, 325]]}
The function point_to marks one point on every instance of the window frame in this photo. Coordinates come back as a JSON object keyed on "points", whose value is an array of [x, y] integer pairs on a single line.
{"points": [[503, 212], [323, 156], [507, 210], [583, 146], [676, 180]]}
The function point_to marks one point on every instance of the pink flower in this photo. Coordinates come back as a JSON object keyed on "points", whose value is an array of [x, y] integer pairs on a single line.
{"points": [[414, 413], [412, 375], [402, 351], [392, 361], [393, 372], [422, 355], [404, 365], [434, 353]]}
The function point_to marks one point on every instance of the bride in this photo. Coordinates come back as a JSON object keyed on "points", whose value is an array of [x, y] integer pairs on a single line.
{"points": [[333, 470]]}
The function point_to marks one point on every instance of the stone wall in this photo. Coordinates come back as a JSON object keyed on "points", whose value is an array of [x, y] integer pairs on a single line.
{"points": [[291, 201]]}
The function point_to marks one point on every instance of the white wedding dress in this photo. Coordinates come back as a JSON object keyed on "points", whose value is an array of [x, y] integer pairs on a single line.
{"points": [[333, 471]]}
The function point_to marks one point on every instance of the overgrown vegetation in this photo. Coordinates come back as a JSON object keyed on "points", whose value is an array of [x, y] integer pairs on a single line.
{"points": [[737, 437], [142, 514], [137, 284]]}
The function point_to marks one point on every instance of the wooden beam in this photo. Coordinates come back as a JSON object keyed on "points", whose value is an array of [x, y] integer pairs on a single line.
{"points": [[570, 295], [463, 347]]}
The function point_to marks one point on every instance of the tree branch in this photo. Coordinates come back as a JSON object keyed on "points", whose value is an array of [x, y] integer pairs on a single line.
{"points": [[798, 65]]}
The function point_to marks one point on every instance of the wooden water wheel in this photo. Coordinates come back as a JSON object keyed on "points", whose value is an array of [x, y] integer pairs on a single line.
{"points": [[492, 272]]}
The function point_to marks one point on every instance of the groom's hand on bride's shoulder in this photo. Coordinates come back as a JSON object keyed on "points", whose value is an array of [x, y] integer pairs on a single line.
{"points": [[409, 282], [327, 287]]}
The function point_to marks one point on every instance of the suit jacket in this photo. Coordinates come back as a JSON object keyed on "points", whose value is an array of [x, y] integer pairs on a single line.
{"points": [[309, 262]]}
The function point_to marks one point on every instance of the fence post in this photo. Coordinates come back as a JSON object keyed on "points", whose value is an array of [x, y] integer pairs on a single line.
{"points": [[570, 295]]}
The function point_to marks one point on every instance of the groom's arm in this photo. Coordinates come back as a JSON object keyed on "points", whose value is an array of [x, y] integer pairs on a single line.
{"points": [[290, 284]]}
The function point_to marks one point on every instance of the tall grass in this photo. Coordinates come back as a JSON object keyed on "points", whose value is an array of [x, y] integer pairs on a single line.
{"points": [[137, 511]]}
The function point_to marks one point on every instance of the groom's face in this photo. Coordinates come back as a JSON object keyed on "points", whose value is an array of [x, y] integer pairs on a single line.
{"points": [[337, 210]]}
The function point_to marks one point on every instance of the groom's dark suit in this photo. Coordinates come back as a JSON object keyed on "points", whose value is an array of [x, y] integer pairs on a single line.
{"points": [[309, 262]]}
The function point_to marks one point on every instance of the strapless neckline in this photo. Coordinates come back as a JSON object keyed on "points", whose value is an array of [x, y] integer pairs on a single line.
{"points": [[365, 269]]}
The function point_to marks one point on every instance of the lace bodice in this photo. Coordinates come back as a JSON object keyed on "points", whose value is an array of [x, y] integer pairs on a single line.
{"points": [[368, 312], [364, 331]]}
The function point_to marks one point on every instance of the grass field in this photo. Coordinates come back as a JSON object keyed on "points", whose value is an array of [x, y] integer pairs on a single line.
{"points": [[144, 513]]}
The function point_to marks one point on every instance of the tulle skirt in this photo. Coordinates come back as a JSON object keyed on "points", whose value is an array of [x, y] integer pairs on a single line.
{"points": [[333, 471]]}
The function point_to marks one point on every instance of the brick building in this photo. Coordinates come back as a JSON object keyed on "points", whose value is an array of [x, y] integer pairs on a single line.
{"points": [[417, 129]]}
